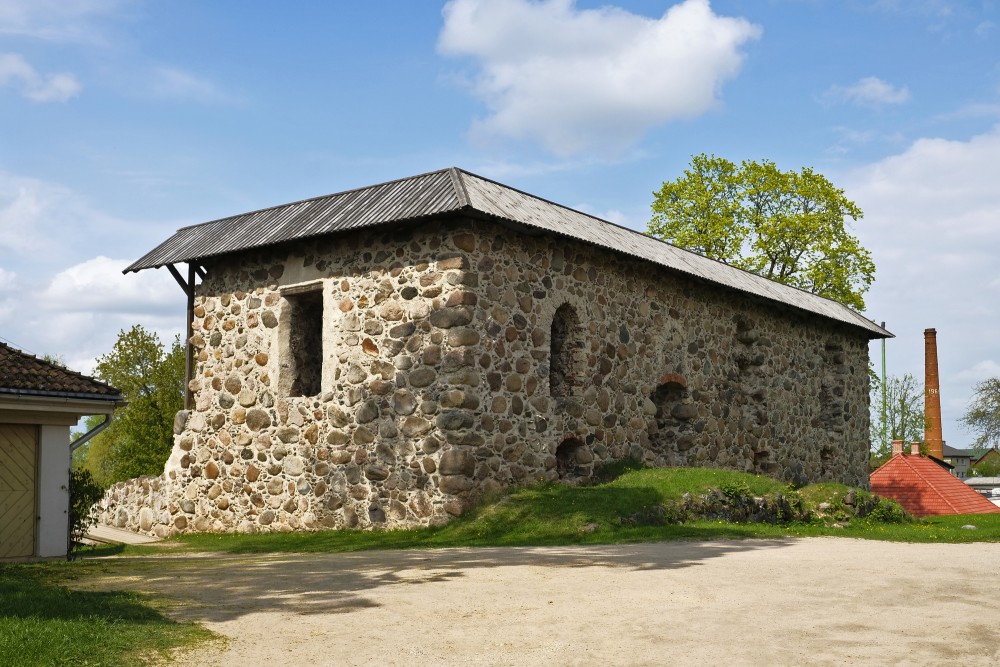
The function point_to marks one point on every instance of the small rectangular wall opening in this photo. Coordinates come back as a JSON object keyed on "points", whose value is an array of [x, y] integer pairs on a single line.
{"points": [[302, 358]]}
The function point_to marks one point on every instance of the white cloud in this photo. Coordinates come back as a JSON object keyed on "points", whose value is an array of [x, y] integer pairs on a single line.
{"points": [[56, 20], [611, 215], [985, 28], [76, 312], [98, 285], [932, 222], [574, 79], [868, 92], [980, 371], [943, 188], [40, 219], [173, 83], [8, 279], [15, 71], [81, 309]]}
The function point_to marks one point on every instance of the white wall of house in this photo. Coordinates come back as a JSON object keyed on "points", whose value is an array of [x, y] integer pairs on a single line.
{"points": [[53, 490], [53, 418]]}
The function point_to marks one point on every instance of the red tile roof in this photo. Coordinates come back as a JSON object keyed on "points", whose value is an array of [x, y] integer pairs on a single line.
{"points": [[22, 373], [926, 489]]}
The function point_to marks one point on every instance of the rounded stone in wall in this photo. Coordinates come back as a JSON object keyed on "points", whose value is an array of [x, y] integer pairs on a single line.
{"points": [[294, 466], [146, 518], [257, 419], [367, 412], [414, 426], [247, 398], [363, 436], [422, 377], [356, 375], [403, 402], [288, 434], [457, 462], [340, 457]]}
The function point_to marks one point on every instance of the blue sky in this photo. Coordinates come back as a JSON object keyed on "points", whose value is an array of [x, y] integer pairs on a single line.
{"points": [[125, 119]]}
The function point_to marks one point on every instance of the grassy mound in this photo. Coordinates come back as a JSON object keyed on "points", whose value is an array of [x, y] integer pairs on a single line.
{"points": [[690, 494], [637, 505]]}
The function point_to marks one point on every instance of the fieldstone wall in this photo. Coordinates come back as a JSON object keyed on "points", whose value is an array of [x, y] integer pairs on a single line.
{"points": [[391, 378]]}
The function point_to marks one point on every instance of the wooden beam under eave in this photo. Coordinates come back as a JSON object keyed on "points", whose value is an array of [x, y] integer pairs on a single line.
{"points": [[188, 287], [189, 356]]}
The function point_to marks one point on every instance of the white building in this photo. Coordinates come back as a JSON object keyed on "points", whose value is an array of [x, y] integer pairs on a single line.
{"points": [[39, 402]]}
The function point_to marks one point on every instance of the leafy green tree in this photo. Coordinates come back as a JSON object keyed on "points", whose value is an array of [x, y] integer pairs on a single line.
{"points": [[784, 225], [139, 439], [904, 414], [989, 467], [983, 415]]}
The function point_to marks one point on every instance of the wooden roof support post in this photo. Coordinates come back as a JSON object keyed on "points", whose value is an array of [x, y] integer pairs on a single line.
{"points": [[188, 287]]}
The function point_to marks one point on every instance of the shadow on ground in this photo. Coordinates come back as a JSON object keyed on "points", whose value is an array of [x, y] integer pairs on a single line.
{"points": [[219, 588]]}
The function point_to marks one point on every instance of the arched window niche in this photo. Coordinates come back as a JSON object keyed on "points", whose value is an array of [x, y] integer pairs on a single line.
{"points": [[573, 461], [674, 412]]}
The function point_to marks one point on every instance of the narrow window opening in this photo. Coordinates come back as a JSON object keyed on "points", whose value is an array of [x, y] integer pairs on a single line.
{"points": [[304, 361], [565, 350]]}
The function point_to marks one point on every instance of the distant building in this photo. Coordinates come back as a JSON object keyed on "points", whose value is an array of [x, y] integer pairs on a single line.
{"points": [[960, 459]]}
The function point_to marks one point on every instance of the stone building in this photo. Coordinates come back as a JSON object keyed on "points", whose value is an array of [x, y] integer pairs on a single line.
{"points": [[384, 356]]}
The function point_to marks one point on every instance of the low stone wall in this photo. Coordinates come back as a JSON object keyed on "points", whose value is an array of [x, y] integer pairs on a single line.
{"points": [[141, 505], [461, 358]]}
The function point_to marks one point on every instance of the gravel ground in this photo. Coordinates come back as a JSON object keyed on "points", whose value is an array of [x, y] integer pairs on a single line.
{"points": [[822, 601]]}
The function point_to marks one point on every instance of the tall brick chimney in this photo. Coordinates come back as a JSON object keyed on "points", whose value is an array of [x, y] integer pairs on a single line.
{"points": [[932, 397]]}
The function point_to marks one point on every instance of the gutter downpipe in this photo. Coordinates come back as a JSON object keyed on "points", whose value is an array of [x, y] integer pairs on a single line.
{"points": [[85, 438]]}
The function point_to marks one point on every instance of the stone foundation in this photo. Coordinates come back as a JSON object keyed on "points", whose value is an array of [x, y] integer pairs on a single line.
{"points": [[391, 378]]}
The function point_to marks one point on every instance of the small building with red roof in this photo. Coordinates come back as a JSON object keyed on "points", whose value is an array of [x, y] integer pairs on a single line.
{"points": [[925, 488], [39, 402]]}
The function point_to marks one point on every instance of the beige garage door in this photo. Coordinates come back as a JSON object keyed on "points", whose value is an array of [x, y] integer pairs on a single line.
{"points": [[17, 490]]}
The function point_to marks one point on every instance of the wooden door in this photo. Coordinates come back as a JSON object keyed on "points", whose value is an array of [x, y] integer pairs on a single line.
{"points": [[18, 465]]}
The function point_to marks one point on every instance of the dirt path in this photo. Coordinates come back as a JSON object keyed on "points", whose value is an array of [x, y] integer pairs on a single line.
{"points": [[822, 601]]}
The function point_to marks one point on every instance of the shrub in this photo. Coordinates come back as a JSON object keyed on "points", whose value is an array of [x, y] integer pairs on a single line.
{"points": [[889, 511], [84, 491]]}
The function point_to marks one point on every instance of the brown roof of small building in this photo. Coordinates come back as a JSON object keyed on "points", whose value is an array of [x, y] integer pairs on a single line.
{"points": [[455, 191], [924, 488], [25, 374]]}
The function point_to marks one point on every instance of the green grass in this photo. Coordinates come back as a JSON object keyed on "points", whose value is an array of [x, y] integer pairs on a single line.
{"points": [[559, 515], [44, 623]]}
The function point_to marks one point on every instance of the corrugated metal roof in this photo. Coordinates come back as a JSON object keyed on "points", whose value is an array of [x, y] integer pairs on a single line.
{"points": [[405, 199], [452, 190]]}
